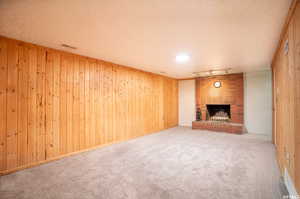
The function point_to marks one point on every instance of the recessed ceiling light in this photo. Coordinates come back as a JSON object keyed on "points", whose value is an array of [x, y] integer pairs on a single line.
{"points": [[182, 58]]}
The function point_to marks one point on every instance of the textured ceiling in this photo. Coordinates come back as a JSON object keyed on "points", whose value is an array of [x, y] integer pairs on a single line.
{"points": [[148, 34]]}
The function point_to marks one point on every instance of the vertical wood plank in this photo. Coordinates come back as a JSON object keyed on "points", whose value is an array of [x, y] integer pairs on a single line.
{"points": [[56, 104], [296, 34], [119, 103], [97, 105], [63, 105], [76, 107], [130, 104], [128, 111], [41, 105], [12, 104], [92, 103], [113, 104], [49, 105], [141, 101], [87, 104], [52, 104], [32, 92], [108, 98], [70, 81], [23, 53], [82, 102], [161, 103], [101, 118], [3, 101]]}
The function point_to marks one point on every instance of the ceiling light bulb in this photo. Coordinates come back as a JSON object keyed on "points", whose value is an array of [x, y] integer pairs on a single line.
{"points": [[182, 58]]}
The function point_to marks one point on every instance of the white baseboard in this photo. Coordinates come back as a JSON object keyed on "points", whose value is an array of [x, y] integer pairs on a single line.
{"points": [[290, 185]]}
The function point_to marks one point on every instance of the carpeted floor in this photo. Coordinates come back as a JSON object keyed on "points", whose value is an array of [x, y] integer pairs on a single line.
{"points": [[175, 163]]}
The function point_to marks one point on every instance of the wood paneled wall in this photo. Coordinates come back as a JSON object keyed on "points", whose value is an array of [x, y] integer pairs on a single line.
{"points": [[286, 97], [55, 103]]}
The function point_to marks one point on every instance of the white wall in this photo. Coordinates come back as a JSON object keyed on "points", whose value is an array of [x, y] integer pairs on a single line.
{"points": [[187, 104], [258, 102]]}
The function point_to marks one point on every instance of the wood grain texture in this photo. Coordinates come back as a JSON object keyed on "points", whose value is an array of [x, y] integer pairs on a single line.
{"points": [[23, 104], [56, 104], [296, 33], [285, 28], [286, 97], [12, 103], [41, 104], [3, 103]]}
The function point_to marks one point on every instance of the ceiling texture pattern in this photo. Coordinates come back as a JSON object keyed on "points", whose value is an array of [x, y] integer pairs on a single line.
{"points": [[149, 34]]}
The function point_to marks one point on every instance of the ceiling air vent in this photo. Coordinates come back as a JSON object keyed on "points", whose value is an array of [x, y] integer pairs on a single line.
{"points": [[68, 46]]}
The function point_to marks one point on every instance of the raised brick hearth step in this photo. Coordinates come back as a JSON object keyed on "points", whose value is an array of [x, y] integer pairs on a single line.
{"points": [[227, 127]]}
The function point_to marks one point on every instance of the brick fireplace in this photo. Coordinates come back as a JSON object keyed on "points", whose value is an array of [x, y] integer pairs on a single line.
{"points": [[220, 108]]}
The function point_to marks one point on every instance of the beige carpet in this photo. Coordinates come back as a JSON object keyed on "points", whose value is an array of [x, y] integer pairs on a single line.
{"points": [[175, 163]]}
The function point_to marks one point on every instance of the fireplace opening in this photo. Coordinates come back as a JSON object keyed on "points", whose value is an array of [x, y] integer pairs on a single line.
{"points": [[218, 112]]}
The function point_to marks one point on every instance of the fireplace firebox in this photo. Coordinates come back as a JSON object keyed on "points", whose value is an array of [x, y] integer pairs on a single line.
{"points": [[218, 112]]}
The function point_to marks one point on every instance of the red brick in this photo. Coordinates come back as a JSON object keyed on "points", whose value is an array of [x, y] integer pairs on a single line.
{"points": [[219, 126]]}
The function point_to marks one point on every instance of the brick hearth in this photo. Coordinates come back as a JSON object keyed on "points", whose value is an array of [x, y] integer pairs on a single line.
{"points": [[227, 127]]}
